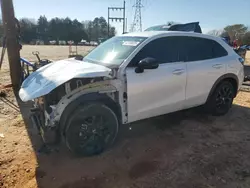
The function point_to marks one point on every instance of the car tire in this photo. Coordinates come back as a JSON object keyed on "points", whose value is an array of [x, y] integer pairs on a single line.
{"points": [[91, 129], [220, 102]]}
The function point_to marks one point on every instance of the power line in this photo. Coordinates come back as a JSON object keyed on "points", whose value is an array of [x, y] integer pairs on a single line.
{"points": [[116, 19], [137, 23]]}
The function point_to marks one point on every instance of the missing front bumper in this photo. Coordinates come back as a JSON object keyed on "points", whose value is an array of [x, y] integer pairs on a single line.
{"points": [[48, 135]]}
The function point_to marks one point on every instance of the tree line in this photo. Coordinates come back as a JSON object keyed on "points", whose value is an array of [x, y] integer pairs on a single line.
{"points": [[239, 32], [63, 29], [66, 29]]}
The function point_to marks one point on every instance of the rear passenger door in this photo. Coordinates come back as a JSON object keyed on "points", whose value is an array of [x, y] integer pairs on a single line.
{"points": [[206, 62]]}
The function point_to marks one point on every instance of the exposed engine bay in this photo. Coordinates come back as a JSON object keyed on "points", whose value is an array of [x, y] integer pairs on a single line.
{"points": [[48, 109]]}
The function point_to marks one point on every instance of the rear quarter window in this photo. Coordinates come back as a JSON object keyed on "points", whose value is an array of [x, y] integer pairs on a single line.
{"points": [[218, 50], [198, 49]]}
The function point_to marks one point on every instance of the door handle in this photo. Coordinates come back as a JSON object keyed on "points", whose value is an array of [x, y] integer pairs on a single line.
{"points": [[217, 66], [178, 71]]}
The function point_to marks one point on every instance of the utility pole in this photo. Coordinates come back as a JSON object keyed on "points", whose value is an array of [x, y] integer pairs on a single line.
{"points": [[108, 21], [124, 15], [117, 18], [12, 44]]}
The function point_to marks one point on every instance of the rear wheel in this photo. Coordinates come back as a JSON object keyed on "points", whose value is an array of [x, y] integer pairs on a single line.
{"points": [[221, 100], [91, 129]]}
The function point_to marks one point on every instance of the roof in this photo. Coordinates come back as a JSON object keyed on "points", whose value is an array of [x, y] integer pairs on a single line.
{"points": [[156, 34], [159, 33], [144, 33]]}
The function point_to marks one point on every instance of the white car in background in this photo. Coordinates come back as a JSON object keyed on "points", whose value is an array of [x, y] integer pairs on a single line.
{"points": [[129, 78], [93, 43]]}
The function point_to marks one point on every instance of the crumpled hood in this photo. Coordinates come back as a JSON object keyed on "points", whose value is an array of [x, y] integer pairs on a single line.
{"points": [[50, 76]]}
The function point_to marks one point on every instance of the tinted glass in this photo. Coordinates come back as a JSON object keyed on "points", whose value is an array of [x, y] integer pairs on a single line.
{"points": [[218, 50], [197, 49], [164, 50]]}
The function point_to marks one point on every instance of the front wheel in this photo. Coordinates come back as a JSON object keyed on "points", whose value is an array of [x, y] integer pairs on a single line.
{"points": [[91, 129], [221, 100]]}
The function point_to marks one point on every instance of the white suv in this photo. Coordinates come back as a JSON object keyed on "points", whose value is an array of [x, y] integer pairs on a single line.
{"points": [[128, 78]]}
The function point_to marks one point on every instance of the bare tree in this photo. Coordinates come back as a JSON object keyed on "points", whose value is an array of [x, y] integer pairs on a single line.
{"points": [[215, 32]]}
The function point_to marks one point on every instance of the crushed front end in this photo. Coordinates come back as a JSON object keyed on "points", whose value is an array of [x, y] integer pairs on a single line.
{"points": [[42, 115], [51, 83], [47, 109]]}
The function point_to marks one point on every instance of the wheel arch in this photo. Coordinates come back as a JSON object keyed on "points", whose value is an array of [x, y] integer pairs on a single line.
{"points": [[90, 97], [232, 78]]}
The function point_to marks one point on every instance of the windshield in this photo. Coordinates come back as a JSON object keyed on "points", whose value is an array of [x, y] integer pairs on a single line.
{"points": [[115, 50]]}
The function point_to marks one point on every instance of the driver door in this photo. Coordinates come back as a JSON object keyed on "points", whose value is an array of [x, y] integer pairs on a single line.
{"points": [[156, 91]]}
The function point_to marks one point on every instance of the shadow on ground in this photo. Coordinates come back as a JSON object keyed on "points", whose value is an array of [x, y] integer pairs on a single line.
{"points": [[183, 149]]}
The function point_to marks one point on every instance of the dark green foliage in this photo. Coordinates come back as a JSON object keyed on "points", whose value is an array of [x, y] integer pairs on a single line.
{"points": [[62, 29]]}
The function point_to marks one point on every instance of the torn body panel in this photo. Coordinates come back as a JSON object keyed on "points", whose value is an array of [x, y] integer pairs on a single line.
{"points": [[49, 77], [55, 86], [108, 87], [50, 108], [56, 101]]}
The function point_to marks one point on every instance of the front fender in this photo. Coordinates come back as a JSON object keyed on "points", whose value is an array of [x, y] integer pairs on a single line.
{"points": [[87, 92]]}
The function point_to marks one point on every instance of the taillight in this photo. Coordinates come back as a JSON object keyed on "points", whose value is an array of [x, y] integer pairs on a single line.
{"points": [[241, 60]]}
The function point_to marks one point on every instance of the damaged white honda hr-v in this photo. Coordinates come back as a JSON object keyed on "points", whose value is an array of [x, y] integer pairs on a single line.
{"points": [[129, 78]]}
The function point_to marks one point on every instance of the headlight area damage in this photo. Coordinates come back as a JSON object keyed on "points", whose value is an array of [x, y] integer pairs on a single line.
{"points": [[57, 85]]}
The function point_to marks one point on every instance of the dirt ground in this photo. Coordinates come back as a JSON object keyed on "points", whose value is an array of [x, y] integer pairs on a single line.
{"points": [[248, 58], [186, 149]]}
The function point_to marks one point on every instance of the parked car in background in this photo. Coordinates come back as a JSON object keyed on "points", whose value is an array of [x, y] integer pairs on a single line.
{"points": [[52, 42], [83, 42], [71, 42], [129, 78], [93, 43], [62, 42]]}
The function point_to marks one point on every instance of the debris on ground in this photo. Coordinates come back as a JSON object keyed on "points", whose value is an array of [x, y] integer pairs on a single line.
{"points": [[2, 94]]}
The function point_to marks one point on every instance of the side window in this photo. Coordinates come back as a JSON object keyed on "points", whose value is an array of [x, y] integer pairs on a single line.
{"points": [[218, 50], [163, 49], [198, 49]]}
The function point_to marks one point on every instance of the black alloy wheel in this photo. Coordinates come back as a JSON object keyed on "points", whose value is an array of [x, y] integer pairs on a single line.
{"points": [[220, 102], [224, 98], [91, 129]]}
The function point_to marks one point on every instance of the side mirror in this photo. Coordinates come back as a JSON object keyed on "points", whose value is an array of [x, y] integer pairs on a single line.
{"points": [[147, 63]]}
